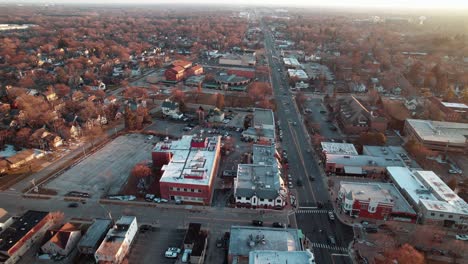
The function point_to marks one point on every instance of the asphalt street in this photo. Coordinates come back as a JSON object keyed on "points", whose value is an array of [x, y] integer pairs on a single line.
{"points": [[317, 227]]}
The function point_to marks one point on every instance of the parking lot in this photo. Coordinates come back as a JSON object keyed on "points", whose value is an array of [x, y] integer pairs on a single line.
{"points": [[105, 171], [150, 246]]}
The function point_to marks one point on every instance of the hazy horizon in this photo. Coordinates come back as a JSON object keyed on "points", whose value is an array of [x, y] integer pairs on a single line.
{"points": [[393, 4]]}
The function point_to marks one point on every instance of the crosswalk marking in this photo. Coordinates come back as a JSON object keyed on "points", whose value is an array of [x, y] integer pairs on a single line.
{"points": [[337, 248], [311, 211]]}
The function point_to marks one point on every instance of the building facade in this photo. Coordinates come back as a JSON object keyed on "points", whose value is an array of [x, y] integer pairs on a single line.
{"points": [[118, 241], [189, 167]]}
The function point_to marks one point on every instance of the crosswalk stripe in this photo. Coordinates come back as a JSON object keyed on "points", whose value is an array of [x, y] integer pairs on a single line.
{"points": [[325, 246], [310, 211]]}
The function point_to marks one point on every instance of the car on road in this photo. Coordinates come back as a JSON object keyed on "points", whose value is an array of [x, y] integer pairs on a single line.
{"points": [[323, 111], [172, 252], [279, 225], [331, 215], [295, 123], [187, 128], [299, 183], [73, 205], [311, 178], [332, 240], [462, 237], [150, 137], [371, 229], [186, 255], [257, 223], [333, 128], [219, 243], [320, 205]]}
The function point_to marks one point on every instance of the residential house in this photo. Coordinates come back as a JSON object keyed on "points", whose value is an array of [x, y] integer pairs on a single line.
{"points": [[355, 117], [215, 115], [50, 95], [21, 158], [171, 109], [61, 242]]}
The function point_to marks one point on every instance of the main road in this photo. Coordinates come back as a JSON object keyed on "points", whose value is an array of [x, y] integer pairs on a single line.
{"points": [[313, 221]]}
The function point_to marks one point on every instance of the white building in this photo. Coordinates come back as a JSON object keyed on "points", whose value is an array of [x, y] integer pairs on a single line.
{"points": [[238, 60], [63, 241], [291, 63], [260, 184], [171, 109], [434, 200], [300, 75], [117, 242], [338, 148]]}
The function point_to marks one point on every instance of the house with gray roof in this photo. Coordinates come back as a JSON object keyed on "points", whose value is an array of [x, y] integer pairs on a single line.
{"points": [[171, 109]]}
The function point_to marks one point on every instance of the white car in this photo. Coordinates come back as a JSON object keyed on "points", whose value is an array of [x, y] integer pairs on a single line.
{"points": [[163, 200], [331, 215], [157, 200], [462, 237], [172, 252]]}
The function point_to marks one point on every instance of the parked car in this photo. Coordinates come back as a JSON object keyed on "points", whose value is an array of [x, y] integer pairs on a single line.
{"points": [[299, 183], [164, 200], [331, 215], [462, 237], [73, 205], [172, 252], [157, 200], [187, 128], [257, 223], [149, 197], [279, 225], [186, 255], [219, 243], [150, 137]]}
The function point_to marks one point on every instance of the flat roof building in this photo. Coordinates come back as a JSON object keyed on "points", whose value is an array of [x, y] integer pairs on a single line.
{"points": [[376, 200], [433, 198], [291, 62], [440, 136], [263, 128], [117, 242], [17, 238], [259, 184], [339, 148], [300, 75], [281, 257], [245, 239], [189, 166], [94, 236]]}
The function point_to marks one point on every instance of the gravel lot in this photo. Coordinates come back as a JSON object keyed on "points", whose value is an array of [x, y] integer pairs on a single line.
{"points": [[105, 171]]}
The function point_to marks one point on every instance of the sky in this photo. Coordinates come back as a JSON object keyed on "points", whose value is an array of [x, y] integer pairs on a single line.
{"points": [[413, 4]]}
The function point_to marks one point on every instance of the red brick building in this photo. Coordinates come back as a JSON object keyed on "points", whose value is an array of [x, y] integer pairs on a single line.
{"points": [[376, 200], [195, 70], [451, 112], [189, 167], [182, 63], [247, 73], [176, 74]]}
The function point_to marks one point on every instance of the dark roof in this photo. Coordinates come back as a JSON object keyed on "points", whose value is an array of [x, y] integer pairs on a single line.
{"points": [[199, 244], [95, 233], [169, 104], [192, 233], [19, 228]]}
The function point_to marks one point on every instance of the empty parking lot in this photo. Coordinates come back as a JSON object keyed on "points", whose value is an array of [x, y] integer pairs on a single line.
{"points": [[105, 171]]}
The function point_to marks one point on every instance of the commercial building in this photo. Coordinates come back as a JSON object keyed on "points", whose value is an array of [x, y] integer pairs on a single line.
{"points": [[22, 234], [263, 128], [238, 60], [195, 80], [259, 185], [434, 200], [291, 63], [94, 236], [231, 80], [181, 63], [61, 242], [118, 241], [355, 117], [364, 165], [439, 136], [298, 75], [289, 257], [189, 167], [175, 74], [338, 148], [375, 200], [195, 70], [243, 72], [451, 112], [245, 239]]}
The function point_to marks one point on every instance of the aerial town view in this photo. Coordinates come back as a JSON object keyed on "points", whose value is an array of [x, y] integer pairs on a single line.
{"points": [[233, 132]]}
